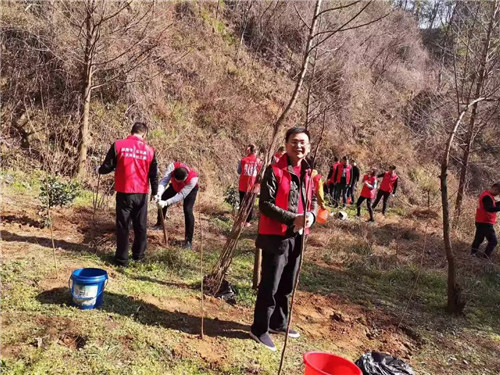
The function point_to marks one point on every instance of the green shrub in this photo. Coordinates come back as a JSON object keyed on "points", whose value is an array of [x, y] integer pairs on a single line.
{"points": [[54, 192]]}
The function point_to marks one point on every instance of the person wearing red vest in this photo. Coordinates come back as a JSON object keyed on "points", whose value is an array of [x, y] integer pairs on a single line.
{"points": [[486, 218], [285, 189], [330, 182], [342, 181], [367, 192], [248, 169], [277, 156], [134, 163], [388, 186], [182, 182]]}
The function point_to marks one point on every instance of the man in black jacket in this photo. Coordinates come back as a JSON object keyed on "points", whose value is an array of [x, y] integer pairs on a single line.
{"points": [[288, 208], [135, 167], [354, 181]]}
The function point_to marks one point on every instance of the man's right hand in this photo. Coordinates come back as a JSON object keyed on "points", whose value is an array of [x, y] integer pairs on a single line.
{"points": [[157, 198], [298, 223]]}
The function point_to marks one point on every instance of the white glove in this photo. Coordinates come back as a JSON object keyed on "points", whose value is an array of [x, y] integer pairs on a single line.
{"points": [[309, 219], [163, 204], [157, 198]]}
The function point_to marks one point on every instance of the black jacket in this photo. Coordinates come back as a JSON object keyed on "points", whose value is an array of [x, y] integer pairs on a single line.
{"points": [[268, 207], [354, 175]]}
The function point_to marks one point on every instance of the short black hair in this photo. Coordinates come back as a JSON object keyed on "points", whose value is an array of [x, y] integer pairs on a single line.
{"points": [[180, 173], [252, 148], [139, 128], [335, 158], [393, 167], [496, 185], [296, 130], [281, 149], [345, 158]]}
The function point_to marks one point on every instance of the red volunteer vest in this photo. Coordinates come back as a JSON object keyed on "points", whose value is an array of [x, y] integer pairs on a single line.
{"points": [[483, 216], [250, 167], [366, 192], [316, 181], [283, 178], [133, 157], [335, 165], [179, 185], [388, 181], [340, 168]]}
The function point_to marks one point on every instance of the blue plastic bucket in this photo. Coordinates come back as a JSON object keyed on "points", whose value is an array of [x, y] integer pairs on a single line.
{"points": [[87, 287]]}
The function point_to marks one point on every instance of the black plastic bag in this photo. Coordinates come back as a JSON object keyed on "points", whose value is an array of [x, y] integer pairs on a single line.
{"points": [[375, 363], [227, 292]]}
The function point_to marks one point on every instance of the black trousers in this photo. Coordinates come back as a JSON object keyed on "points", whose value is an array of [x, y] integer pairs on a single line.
{"points": [[368, 205], [351, 193], [385, 195], [483, 231], [280, 263], [331, 192], [250, 215], [341, 189], [131, 207], [187, 205]]}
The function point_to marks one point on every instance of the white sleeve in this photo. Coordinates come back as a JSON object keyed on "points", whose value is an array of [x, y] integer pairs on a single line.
{"points": [[181, 195], [166, 178]]}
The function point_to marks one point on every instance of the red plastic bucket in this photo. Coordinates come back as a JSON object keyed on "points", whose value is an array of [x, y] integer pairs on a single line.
{"points": [[318, 363], [322, 216]]}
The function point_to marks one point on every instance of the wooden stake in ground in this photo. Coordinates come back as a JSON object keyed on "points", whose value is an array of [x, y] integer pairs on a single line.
{"points": [[302, 249], [95, 204], [201, 276], [257, 268], [164, 225]]}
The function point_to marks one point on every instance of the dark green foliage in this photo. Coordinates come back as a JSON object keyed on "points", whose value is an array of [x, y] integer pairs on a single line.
{"points": [[55, 192], [231, 197]]}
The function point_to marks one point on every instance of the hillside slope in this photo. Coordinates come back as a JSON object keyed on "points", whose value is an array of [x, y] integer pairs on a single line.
{"points": [[205, 96]]}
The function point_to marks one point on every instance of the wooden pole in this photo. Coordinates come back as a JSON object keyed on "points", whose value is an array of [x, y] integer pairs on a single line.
{"points": [[164, 225], [201, 275], [257, 268]]}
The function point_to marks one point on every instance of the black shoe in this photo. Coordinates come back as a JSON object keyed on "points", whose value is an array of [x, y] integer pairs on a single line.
{"points": [[291, 333], [120, 263], [187, 245], [265, 340], [140, 260], [157, 227], [370, 221]]}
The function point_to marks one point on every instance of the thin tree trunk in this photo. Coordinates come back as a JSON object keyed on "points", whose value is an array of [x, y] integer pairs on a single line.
{"points": [[298, 85], [455, 302], [86, 93], [245, 22], [84, 131], [222, 265], [482, 77]]}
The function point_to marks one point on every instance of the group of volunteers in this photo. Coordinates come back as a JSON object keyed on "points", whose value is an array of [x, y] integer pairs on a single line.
{"points": [[291, 191], [343, 178]]}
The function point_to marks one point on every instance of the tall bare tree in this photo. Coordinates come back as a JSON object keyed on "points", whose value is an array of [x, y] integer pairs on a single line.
{"points": [[95, 27], [315, 39], [478, 76]]}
